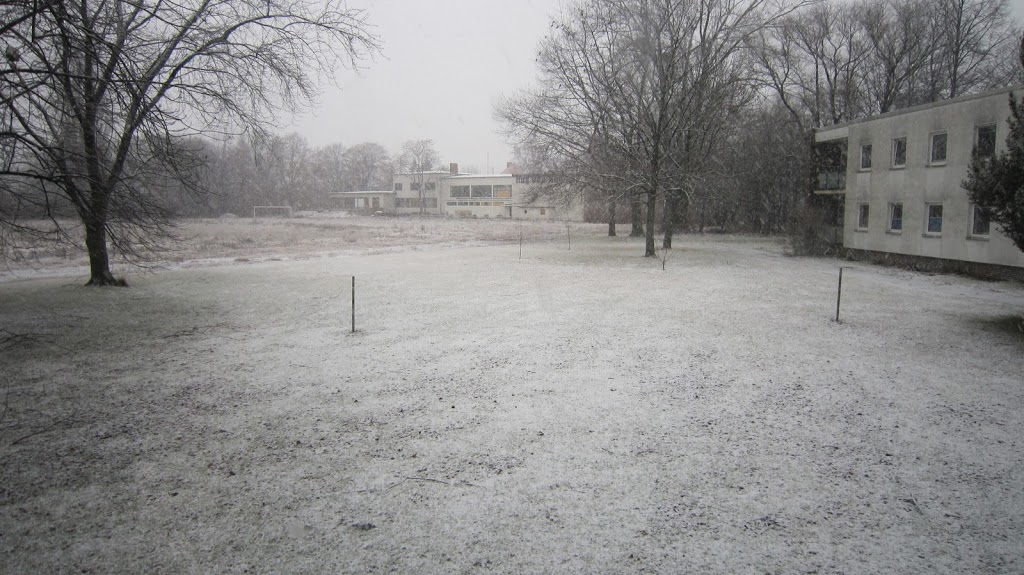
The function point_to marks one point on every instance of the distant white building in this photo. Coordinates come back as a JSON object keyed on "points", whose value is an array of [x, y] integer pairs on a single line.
{"points": [[370, 201], [408, 196], [455, 194], [900, 184]]}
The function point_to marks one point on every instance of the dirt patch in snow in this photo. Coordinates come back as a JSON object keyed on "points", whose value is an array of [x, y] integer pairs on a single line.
{"points": [[570, 411]]}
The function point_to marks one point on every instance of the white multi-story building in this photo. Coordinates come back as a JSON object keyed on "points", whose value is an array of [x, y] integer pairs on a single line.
{"points": [[455, 194], [417, 193], [901, 187]]}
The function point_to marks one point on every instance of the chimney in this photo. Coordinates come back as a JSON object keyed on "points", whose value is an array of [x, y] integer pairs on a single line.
{"points": [[453, 168]]}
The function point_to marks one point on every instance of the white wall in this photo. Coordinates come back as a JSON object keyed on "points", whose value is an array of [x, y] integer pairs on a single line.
{"points": [[922, 182]]}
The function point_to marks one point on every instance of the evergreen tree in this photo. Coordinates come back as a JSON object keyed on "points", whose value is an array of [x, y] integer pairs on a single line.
{"points": [[997, 182]]}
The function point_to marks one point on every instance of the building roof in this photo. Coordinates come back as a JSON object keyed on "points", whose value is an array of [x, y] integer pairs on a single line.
{"points": [[363, 193], [919, 107], [424, 172], [478, 176]]}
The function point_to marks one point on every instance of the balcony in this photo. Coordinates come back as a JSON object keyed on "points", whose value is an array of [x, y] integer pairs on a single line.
{"points": [[831, 181], [829, 161]]}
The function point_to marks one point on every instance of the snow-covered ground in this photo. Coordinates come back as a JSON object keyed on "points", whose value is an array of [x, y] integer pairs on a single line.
{"points": [[573, 411]]}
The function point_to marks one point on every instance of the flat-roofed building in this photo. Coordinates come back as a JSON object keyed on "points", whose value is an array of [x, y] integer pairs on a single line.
{"points": [[366, 201], [900, 179]]}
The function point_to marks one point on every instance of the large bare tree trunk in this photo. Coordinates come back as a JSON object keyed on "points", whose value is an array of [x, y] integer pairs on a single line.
{"points": [[636, 204], [99, 260], [612, 204], [652, 198], [675, 202]]}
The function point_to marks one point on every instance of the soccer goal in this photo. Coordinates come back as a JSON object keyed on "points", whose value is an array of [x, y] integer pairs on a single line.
{"points": [[272, 211]]}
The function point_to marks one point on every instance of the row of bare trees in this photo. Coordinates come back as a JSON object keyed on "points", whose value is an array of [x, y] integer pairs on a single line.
{"points": [[287, 171], [281, 171], [230, 177], [836, 61], [700, 112]]}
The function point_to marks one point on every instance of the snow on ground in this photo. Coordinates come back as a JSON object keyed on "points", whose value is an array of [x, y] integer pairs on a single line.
{"points": [[572, 411]]}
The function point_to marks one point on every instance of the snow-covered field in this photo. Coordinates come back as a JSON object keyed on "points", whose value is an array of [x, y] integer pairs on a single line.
{"points": [[573, 411]]}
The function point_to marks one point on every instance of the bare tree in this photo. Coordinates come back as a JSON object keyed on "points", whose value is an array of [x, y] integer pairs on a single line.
{"points": [[972, 34], [328, 165], [285, 168], [635, 93], [367, 166], [419, 157], [94, 96]]}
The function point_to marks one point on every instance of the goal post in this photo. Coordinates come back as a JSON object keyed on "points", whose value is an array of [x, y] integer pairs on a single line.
{"points": [[278, 211]]}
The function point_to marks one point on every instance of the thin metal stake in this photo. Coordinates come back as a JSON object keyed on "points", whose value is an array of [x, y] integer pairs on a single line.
{"points": [[839, 293], [520, 243], [569, 237], [353, 304]]}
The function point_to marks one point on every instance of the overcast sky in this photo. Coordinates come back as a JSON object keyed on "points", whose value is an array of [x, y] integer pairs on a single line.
{"points": [[444, 65]]}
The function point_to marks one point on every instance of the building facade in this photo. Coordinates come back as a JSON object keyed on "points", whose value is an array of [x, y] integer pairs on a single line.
{"points": [[900, 182], [418, 193], [370, 201], [454, 194]]}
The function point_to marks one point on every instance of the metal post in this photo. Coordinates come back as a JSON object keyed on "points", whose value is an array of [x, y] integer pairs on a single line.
{"points": [[839, 293], [353, 304], [568, 236]]}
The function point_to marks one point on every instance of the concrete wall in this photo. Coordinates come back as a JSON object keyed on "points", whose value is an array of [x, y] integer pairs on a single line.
{"points": [[432, 198], [494, 196], [921, 182], [507, 197], [364, 202], [515, 205]]}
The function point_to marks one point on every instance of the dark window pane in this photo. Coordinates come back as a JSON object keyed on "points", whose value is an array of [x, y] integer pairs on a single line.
{"points": [[938, 148], [980, 224], [896, 218], [899, 152], [935, 218], [986, 144]]}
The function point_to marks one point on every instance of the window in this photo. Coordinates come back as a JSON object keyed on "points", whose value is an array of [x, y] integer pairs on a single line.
{"points": [[451, 203], [934, 218], [862, 216], [430, 203], [459, 192], [938, 148], [481, 191], [503, 191], [398, 187], [985, 141], [865, 156], [431, 186], [542, 212], [414, 187], [895, 217], [980, 221], [899, 152]]}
